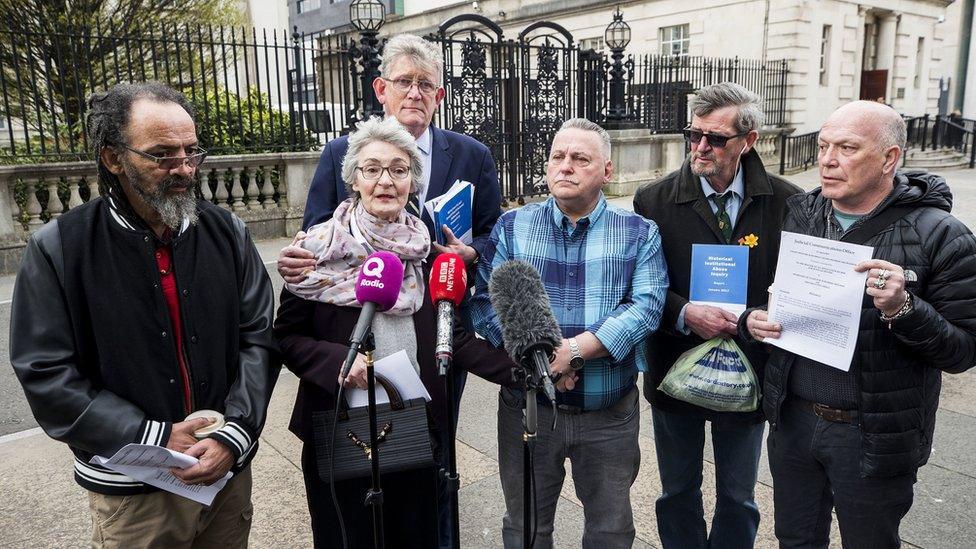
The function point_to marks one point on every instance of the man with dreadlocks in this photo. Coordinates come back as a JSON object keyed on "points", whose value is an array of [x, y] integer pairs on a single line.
{"points": [[139, 308]]}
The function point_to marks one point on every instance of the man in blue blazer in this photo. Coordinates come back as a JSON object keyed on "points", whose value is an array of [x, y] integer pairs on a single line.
{"points": [[409, 88]]}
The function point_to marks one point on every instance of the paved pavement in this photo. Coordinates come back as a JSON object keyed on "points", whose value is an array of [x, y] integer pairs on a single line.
{"points": [[41, 506]]}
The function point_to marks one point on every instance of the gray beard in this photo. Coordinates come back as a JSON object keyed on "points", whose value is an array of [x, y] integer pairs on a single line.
{"points": [[172, 208], [704, 172]]}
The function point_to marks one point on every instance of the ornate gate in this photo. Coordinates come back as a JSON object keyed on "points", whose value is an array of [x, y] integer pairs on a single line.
{"points": [[510, 95]]}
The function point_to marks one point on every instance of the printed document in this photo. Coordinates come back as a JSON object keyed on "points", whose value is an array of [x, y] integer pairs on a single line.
{"points": [[816, 297], [720, 276], [151, 464], [399, 371]]}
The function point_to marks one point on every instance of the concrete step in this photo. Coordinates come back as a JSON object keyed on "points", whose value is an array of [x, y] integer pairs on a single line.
{"points": [[936, 166], [930, 154]]}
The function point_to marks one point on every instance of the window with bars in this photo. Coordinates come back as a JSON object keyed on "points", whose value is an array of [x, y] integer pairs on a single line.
{"points": [[675, 40], [596, 43], [305, 6], [825, 55]]}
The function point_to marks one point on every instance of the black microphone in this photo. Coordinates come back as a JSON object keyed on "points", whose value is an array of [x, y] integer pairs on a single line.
{"points": [[529, 329]]}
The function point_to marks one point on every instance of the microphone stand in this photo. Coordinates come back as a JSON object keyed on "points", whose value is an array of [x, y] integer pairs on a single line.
{"points": [[450, 476], [374, 496], [530, 423]]}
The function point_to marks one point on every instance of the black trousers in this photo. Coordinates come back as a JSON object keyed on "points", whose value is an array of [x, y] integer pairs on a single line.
{"points": [[409, 508], [816, 466]]}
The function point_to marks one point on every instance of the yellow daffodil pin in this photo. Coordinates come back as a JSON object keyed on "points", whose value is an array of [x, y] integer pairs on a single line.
{"points": [[750, 240]]}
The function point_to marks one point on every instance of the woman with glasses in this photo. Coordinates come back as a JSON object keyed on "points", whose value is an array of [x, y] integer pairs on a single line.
{"points": [[316, 317]]}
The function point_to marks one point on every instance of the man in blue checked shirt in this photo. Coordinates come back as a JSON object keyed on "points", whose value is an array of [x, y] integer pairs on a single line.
{"points": [[605, 275]]}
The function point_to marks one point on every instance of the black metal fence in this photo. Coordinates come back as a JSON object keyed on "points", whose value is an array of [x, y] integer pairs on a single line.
{"points": [[245, 86], [659, 86], [269, 91], [798, 152]]}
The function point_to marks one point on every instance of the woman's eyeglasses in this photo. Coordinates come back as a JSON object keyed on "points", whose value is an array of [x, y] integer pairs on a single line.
{"points": [[373, 172]]}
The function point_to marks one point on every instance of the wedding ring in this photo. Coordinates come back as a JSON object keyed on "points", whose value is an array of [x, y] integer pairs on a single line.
{"points": [[879, 283]]}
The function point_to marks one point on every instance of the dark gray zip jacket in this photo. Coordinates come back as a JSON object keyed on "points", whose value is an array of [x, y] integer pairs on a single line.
{"points": [[899, 370]]}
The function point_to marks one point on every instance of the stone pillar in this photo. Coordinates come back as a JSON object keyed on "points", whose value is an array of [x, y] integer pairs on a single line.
{"points": [[887, 35], [640, 157]]}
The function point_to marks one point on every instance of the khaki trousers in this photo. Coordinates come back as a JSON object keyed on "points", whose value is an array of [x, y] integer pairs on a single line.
{"points": [[162, 519]]}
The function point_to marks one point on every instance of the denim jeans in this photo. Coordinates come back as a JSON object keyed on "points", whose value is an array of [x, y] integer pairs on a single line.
{"points": [[816, 466], [602, 448], [679, 440]]}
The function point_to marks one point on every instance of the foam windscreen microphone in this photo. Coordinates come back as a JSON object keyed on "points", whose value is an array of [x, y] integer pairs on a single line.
{"points": [[377, 289], [529, 329], [448, 283]]}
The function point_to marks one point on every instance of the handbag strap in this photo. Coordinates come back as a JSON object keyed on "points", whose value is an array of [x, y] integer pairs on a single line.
{"points": [[867, 230], [396, 401]]}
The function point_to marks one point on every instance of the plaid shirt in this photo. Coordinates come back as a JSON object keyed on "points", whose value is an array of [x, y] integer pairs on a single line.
{"points": [[606, 276]]}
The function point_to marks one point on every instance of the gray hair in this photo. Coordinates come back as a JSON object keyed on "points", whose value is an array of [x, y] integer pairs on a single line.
{"points": [[387, 130], [893, 133], [421, 53], [587, 126], [725, 94]]}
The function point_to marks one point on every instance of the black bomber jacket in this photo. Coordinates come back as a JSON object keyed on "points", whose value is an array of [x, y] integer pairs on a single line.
{"points": [[91, 336]]}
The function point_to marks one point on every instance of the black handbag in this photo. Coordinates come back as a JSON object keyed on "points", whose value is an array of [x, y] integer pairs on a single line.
{"points": [[402, 430]]}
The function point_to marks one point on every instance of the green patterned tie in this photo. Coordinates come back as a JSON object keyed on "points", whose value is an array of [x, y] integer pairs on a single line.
{"points": [[724, 223]]}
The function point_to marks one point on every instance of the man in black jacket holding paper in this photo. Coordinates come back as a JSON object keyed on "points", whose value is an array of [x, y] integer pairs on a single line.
{"points": [[138, 308], [852, 441], [721, 195]]}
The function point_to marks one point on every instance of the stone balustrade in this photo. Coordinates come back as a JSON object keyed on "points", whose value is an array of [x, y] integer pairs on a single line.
{"points": [[266, 190]]}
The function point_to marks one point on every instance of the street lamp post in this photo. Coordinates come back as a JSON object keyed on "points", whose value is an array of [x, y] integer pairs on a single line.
{"points": [[617, 36], [368, 16]]}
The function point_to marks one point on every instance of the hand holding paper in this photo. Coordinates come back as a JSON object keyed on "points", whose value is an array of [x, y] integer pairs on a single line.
{"points": [[816, 298]]}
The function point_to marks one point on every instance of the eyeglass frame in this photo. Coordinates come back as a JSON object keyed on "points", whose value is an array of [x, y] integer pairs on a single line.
{"points": [[710, 136], [413, 82], [387, 170], [184, 160]]}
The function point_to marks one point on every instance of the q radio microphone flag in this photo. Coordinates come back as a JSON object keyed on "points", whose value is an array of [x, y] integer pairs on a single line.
{"points": [[377, 289], [529, 329], [448, 282]]}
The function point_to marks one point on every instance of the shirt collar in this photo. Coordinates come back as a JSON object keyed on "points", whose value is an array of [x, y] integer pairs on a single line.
{"points": [[559, 218], [738, 186], [424, 142]]}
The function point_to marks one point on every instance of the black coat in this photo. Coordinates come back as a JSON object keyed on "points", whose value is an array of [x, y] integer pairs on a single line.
{"points": [[899, 370], [683, 215], [314, 340]]}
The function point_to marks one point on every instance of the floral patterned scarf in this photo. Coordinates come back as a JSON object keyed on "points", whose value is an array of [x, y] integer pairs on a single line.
{"points": [[340, 255]]}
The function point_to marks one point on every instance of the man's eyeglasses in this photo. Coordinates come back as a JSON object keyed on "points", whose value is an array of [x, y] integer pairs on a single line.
{"points": [[426, 87], [373, 172], [171, 162], [714, 139]]}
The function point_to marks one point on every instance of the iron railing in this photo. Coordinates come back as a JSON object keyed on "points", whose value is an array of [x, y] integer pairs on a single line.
{"points": [[797, 152], [244, 84], [269, 92], [658, 87]]}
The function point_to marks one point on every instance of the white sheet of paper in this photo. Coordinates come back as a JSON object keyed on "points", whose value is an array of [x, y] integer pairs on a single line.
{"points": [[398, 369], [816, 297], [151, 464]]}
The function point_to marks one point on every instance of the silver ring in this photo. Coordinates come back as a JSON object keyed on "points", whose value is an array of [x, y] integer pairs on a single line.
{"points": [[880, 283], [884, 274]]}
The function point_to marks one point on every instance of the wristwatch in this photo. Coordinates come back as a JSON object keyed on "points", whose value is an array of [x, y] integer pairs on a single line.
{"points": [[576, 360]]}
